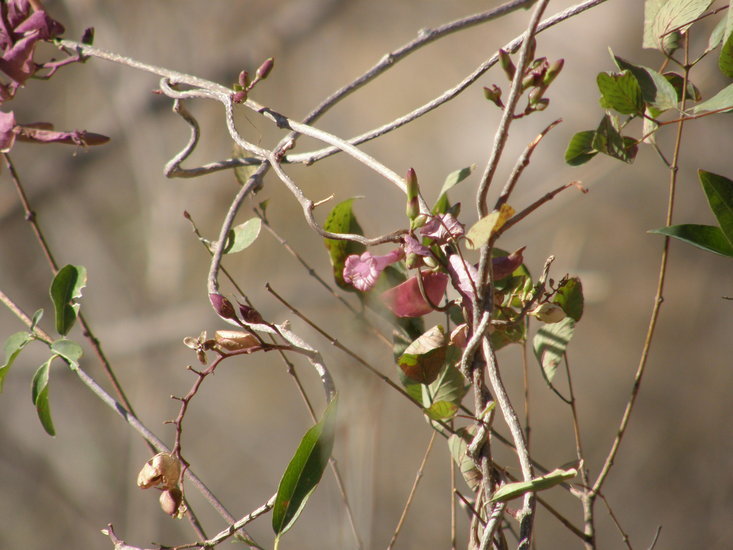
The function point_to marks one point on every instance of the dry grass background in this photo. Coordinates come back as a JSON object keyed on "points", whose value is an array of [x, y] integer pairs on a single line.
{"points": [[112, 210]]}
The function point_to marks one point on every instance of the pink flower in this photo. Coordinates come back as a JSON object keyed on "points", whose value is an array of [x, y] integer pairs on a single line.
{"points": [[405, 299], [443, 228], [465, 275], [413, 246], [363, 271]]}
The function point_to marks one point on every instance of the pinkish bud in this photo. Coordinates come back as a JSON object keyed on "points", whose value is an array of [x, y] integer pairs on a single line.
{"points": [[249, 314], [493, 94], [222, 306], [240, 96], [243, 79], [171, 500], [552, 71], [264, 69], [506, 64]]}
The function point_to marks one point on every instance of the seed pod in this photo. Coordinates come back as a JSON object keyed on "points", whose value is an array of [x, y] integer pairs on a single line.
{"points": [[170, 501], [161, 471], [234, 340]]}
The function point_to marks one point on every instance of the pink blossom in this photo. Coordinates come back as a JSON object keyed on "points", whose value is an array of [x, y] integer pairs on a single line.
{"points": [[413, 246], [443, 228], [465, 275], [363, 271], [406, 300]]}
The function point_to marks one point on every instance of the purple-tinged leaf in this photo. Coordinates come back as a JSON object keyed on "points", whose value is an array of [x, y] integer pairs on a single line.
{"points": [[405, 299]]}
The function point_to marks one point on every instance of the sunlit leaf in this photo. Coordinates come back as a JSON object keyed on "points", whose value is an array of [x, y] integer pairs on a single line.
{"points": [[39, 393], [707, 237], [722, 101], [620, 92], [725, 60], [69, 350], [719, 191], [668, 16], [480, 233], [65, 291], [342, 220], [656, 90], [243, 235], [609, 141], [458, 446], [454, 178], [12, 347], [302, 475], [569, 297], [423, 359], [580, 149], [550, 343], [519, 488]]}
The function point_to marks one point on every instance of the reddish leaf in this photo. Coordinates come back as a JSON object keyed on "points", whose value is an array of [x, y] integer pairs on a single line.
{"points": [[405, 299]]}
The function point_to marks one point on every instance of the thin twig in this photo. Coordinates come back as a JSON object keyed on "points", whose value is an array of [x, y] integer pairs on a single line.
{"points": [[413, 489], [624, 535], [502, 132], [658, 299]]}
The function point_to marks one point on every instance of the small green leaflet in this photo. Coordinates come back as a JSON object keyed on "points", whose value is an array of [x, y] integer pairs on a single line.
{"points": [[12, 347], [550, 343], [242, 236], [304, 472], [580, 149], [569, 297], [514, 490], [65, 291], [39, 394], [342, 220], [68, 350], [454, 178]]}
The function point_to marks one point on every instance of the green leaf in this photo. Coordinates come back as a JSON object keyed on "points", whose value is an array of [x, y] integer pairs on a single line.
{"points": [[580, 149], [656, 90], [719, 191], [454, 178], [725, 61], [37, 316], [441, 410], [423, 359], [342, 220], [609, 141], [621, 92], [722, 101], [550, 343], [243, 235], [39, 392], [12, 347], [65, 290], [458, 446], [302, 475], [569, 297], [514, 490], [677, 81], [68, 350], [668, 16], [707, 237], [716, 37]]}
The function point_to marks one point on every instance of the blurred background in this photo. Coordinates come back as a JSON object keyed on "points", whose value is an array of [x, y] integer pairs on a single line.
{"points": [[111, 209]]}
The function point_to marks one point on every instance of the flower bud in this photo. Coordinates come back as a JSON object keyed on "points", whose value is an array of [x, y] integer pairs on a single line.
{"points": [[222, 306], [264, 69], [493, 94], [506, 64], [244, 79], [413, 192], [552, 71], [161, 471], [548, 313], [171, 500], [249, 314]]}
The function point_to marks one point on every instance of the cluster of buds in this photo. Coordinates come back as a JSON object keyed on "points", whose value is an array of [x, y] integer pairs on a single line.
{"points": [[163, 472], [245, 84], [537, 77]]}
